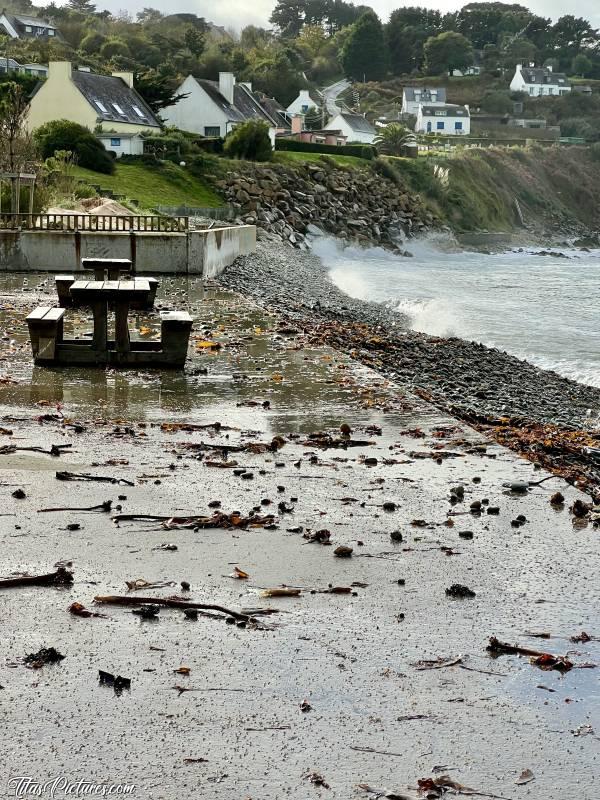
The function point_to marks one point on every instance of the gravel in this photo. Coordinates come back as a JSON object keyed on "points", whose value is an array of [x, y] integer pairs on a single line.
{"points": [[465, 377]]}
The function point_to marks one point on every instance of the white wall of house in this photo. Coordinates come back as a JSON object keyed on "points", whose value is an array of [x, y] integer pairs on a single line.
{"points": [[122, 145], [7, 25], [519, 84], [443, 122], [338, 123], [197, 112], [302, 103], [412, 106]]}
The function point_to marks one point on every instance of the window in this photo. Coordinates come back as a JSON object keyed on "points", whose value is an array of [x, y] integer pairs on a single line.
{"points": [[27, 28], [532, 90], [304, 109], [212, 130], [139, 112], [440, 125], [458, 126], [115, 142], [50, 32], [101, 106], [550, 90], [440, 113], [118, 109]]}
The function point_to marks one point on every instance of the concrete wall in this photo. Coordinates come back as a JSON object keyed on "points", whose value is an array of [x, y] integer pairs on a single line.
{"points": [[211, 251], [204, 253]]}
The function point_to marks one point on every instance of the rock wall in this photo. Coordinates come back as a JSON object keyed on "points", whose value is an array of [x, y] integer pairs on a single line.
{"points": [[286, 203]]}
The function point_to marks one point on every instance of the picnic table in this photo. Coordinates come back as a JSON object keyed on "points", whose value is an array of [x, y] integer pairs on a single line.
{"points": [[112, 269], [50, 347], [98, 295]]}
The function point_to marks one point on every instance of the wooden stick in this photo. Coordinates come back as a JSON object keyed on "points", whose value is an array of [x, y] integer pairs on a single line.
{"points": [[169, 602], [62, 577]]}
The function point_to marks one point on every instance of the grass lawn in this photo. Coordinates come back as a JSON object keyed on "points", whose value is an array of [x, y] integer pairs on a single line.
{"points": [[290, 156], [168, 185]]}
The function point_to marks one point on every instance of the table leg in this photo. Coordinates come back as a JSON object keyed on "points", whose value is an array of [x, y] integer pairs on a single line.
{"points": [[100, 311], [121, 327]]}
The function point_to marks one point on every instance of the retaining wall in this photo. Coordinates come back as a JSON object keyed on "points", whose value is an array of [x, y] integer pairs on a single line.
{"points": [[204, 253]]}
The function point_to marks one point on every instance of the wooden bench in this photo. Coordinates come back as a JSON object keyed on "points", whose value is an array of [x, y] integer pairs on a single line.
{"points": [[175, 329], [45, 331], [63, 288], [149, 303], [108, 268]]}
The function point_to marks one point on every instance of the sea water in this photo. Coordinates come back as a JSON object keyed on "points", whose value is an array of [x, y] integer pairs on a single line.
{"points": [[542, 308]]}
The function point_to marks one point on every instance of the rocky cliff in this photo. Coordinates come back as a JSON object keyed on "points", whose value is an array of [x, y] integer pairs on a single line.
{"points": [[287, 202]]}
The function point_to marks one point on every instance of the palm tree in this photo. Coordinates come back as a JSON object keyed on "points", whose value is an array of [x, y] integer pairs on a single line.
{"points": [[392, 138]]}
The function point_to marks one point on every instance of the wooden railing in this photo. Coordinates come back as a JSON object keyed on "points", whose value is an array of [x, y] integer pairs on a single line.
{"points": [[93, 222]]}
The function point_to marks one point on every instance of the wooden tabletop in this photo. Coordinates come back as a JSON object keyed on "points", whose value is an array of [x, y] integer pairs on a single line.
{"points": [[110, 290]]}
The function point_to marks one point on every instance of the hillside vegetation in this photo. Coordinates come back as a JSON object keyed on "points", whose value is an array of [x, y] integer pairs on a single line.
{"points": [[167, 184], [556, 189]]}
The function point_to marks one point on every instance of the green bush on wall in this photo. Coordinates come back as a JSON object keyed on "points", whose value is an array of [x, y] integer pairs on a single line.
{"points": [[62, 134], [358, 150]]}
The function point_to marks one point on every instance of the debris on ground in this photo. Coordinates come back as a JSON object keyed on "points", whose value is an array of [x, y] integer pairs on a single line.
{"points": [[47, 655], [545, 661], [62, 577], [458, 590]]}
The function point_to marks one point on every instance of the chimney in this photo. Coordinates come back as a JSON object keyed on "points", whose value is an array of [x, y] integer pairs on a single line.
{"points": [[60, 70], [125, 76], [549, 68], [226, 84], [297, 123], [519, 67]]}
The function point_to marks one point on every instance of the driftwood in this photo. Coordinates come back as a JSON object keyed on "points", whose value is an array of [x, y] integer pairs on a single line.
{"points": [[169, 602], [84, 476], [55, 449], [218, 520], [62, 577], [105, 506]]}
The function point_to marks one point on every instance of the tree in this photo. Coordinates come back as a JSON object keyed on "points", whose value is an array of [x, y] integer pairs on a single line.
{"points": [[249, 141], [194, 41], [288, 16], [16, 148], [391, 139], [92, 42], [406, 32], [581, 65], [365, 56], [447, 51], [114, 47], [62, 134], [570, 35], [159, 88], [83, 6]]}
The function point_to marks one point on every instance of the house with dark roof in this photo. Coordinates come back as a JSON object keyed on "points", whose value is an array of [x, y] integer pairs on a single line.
{"points": [[539, 81], [108, 103], [214, 108], [444, 119], [413, 96], [22, 26], [354, 127], [307, 99]]}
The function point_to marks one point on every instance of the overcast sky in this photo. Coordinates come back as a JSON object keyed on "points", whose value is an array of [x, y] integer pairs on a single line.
{"points": [[237, 13]]}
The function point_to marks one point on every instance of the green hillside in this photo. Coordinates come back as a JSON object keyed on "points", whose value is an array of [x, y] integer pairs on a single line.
{"points": [[167, 184]]}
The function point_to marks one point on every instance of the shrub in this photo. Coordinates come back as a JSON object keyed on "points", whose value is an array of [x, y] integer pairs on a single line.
{"points": [[249, 141], [92, 43], [358, 150], [383, 167], [62, 134], [114, 47], [496, 102]]}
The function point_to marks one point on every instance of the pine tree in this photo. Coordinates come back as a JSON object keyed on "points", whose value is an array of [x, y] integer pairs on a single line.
{"points": [[365, 55], [83, 6]]}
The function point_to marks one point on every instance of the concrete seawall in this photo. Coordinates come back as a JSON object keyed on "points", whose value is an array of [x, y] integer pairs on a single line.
{"points": [[205, 253]]}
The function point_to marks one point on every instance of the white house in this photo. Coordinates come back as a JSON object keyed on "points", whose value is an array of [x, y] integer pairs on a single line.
{"points": [[21, 26], [539, 81], [354, 127], [213, 108], [413, 96], [131, 144], [307, 99], [10, 65], [444, 119]]}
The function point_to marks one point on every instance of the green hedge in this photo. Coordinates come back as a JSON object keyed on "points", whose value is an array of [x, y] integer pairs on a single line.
{"points": [[358, 150]]}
